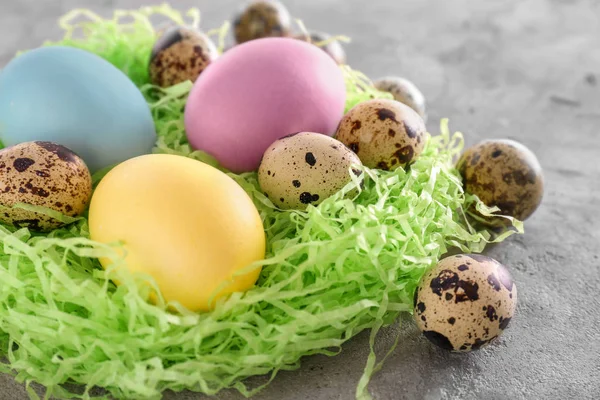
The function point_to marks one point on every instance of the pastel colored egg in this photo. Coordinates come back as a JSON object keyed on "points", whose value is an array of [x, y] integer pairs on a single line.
{"points": [[76, 99], [258, 92], [188, 225]]}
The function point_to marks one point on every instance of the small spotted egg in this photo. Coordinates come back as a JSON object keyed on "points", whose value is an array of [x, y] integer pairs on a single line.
{"points": [[503, 173], [403, 91], [42, 174], [324, 42], [180, 54], [385, 134], [465, 302], [260, 19], [305, 168]]}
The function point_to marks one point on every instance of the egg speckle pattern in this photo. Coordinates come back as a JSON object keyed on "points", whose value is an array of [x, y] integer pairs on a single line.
{"points": [[180, 54], [260, 19], [42, 174], [385, 134], [403, 91], [465, 302], [305, 168], [503, 173]]}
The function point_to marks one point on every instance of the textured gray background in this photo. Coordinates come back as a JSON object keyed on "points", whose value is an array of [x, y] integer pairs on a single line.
{"points": [[527, 70]]}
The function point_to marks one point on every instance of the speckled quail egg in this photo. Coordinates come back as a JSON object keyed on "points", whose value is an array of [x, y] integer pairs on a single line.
{"points": [[465, 302], [503, 173], [42, 174], [331, 47], [262, 18], [180, 54], [403, 91], [305, 168], [385, 134]]}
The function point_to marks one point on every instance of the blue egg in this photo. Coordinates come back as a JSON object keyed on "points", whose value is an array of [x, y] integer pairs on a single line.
{"points": [[75, 98]]}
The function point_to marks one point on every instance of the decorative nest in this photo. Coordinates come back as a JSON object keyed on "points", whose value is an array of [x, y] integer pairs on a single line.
{"points": [[330, 272]]}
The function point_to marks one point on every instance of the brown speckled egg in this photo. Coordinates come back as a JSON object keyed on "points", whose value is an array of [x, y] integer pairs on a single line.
{"points": [[465, 302], [260, 19], [180, 54], [503, 173], [403, 91], [42, 174], [305, 168], [333, 48], [385, 134]]}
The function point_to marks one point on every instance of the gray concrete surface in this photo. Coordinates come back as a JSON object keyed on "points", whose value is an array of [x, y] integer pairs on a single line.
{"points": [[523, 69]]}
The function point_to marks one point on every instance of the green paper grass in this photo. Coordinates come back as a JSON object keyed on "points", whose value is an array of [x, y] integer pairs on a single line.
{"points": [[348, 265]]}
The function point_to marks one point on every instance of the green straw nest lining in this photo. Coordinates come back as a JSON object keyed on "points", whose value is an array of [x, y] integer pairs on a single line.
{"points": [[348, 265]]}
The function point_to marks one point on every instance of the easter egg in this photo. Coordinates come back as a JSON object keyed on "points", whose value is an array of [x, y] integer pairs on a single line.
{"points": [[385, 134], [188, 225], [306, 168], [180, 54], [76, 99], [261, 18], [503, 173], [42, 174], [258, 92], [465, 302]]}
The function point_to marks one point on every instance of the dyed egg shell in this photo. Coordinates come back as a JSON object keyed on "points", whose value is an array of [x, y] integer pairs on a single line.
{"points": [[465, 302], [181, 54], [260, 19], [403, 91], [503, 173], [305, 168], [188, 225], [385, 134], [333, 47], [261, 91], [42, 174], [75, 98]]}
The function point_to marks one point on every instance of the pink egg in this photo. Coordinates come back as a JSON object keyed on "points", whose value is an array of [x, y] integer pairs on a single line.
{"points": [[258, 92]]}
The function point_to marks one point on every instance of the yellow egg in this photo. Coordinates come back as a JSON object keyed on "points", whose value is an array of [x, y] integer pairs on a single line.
{"points": [[187, 224]]}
